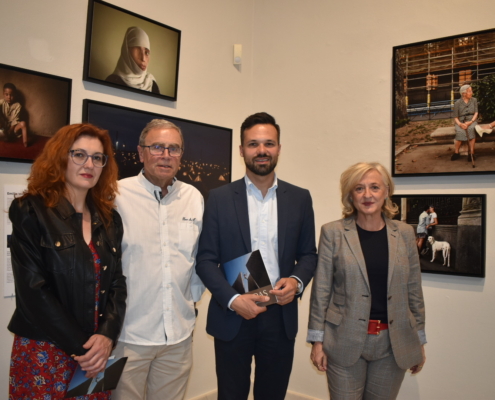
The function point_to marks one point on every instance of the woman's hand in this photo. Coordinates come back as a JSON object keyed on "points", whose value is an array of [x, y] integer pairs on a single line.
{"points": [[95, 360], [463, 125], [417, 368], [318, 357]]}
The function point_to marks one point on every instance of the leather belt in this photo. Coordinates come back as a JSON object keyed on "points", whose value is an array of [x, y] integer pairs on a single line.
{"points": [[375, 326]]}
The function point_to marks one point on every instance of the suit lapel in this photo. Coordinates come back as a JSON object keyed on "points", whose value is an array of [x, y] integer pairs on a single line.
{"points": [[241, 209], [282, 211], [352, 237], [393, 240]]}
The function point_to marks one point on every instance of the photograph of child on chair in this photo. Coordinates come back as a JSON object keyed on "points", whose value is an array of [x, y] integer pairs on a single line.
{"points": [[450, 231], [33, 106]]}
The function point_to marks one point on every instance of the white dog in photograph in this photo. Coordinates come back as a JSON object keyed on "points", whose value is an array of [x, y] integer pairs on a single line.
{"points": [[444, 247]]}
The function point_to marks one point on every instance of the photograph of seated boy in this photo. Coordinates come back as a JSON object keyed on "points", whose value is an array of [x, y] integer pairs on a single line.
{"points": [[10, 126]]}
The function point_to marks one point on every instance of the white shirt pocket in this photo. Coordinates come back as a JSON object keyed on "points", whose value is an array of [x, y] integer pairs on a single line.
{"points": [[188, 238]]}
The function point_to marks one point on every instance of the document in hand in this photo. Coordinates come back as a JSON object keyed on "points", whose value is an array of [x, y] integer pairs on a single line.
{"points": [[106, 380], [247, 274]]}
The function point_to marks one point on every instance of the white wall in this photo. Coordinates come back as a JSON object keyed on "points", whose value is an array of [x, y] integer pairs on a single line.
{"points": [[324, 70]]}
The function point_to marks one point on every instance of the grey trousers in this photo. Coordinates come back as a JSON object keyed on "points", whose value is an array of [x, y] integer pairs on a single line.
{"points": [[375, 376]]}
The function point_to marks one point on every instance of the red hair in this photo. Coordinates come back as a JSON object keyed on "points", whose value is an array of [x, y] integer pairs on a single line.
{"points": [[47, 178]]}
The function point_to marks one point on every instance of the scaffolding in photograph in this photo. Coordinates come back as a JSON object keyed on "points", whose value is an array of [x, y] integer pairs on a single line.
{"points": [[444, 66]]}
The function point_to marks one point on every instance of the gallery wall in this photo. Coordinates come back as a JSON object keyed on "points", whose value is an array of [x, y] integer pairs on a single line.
{"points": [[323, 69]]}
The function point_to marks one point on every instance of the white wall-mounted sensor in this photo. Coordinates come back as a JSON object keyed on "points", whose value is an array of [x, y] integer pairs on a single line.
{"points": [[237, 54]]}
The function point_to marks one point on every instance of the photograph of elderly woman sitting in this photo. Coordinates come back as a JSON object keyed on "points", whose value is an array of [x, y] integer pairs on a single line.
{"points": [[465, 116]]}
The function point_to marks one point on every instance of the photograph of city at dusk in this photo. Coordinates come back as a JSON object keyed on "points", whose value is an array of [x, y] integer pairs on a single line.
{"points": [[207, 160]]}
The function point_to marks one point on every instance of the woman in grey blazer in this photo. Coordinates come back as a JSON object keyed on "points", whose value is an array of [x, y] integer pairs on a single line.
{"points": [[367, 314]]}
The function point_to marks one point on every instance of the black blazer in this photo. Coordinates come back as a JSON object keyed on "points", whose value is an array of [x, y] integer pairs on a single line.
{"points": [[54, 275], [226, 235]]}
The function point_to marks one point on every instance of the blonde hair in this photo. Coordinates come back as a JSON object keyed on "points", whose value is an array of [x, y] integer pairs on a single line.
{"points": [[353, 175]]}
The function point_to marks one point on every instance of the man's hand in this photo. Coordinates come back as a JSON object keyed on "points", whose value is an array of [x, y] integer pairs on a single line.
{"points": [[285, 290], [245, 305], [95, 360]]}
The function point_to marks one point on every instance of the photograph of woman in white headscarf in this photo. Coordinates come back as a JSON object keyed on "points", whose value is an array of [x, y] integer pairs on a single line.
{"points": [[132, 67], [131, 52]]}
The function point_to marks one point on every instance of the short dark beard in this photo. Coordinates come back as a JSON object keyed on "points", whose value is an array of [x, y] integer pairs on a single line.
{"points": [[261, 170]]}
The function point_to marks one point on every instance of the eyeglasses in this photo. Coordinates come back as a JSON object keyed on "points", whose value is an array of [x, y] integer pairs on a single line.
{"points": [[158, 150], [79, 156]]}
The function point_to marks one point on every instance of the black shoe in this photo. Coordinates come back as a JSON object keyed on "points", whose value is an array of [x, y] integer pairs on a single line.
{"points": [[471, 157], [455, 156], [425, 251]]}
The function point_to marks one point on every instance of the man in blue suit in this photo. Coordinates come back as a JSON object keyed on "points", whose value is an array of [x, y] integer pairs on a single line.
{"points": [[257, 212]]}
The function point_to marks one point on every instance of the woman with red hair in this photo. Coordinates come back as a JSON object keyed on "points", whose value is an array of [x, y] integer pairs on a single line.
{"points": [[66, 259]]}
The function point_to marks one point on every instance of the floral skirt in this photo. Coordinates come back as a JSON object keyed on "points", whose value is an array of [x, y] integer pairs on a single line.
{"points": [[41, 371]]}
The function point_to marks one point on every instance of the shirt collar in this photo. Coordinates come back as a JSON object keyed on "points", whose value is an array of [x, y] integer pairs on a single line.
{"points": [[250, 186], [153, 189]]}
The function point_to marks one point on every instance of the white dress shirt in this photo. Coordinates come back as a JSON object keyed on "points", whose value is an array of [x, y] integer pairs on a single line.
{"points": [[263, 226], [158, 258]]}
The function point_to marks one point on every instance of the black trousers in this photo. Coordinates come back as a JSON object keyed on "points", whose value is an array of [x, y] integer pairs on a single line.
{"points": [[264, 338]]}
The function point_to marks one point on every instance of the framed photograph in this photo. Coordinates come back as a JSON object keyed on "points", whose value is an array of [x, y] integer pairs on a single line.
{"points": [[450, 231], [131, 52], [207, 160], [33, 106], [442, 102]]}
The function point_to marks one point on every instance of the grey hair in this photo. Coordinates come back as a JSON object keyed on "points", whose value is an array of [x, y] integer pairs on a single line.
{"points": [[463, 89], [161, 124]]}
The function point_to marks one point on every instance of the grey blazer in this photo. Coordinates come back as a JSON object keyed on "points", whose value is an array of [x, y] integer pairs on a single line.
{"points": [[341, 297]]}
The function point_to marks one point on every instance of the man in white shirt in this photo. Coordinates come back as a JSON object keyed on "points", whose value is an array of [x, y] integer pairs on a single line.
{"points": [[257, 212], [162, 221], [433, 219]]}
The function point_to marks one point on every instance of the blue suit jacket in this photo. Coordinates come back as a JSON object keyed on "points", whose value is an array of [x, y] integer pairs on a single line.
{"points": [[226, 235]]}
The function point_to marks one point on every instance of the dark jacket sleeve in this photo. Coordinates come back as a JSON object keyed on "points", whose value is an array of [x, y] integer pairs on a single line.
{"points": [[35, 292], [112, 317], [209, 254], [306, 258]]}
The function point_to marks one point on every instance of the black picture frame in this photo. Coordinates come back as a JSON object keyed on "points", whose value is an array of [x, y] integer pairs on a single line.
{"points": [[44, 101], [426, 80], [108, 27], [461, 223], [207, 159]]}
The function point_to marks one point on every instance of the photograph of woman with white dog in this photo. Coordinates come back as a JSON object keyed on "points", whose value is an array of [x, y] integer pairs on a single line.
{"points": [[450, 231]]}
